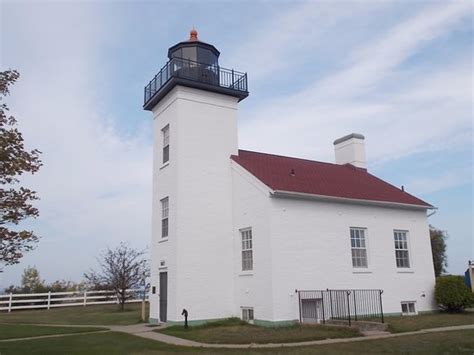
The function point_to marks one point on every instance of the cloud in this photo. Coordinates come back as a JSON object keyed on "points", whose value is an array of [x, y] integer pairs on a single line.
{"points": [[282, 42], [95, 185], [400, 111], [439, 182]]}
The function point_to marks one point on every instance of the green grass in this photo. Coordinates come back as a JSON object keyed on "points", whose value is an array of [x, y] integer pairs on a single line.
{"points": [[425, 321], [235, 331], [12, 331], [93, 315], [455, 342]]}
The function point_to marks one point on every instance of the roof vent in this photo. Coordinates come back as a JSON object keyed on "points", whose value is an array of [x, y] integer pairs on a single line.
{"points": [[292, 172]]}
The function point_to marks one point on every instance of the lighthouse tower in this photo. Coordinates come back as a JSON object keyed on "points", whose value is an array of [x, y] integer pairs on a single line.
{"points": [[194, 104]]}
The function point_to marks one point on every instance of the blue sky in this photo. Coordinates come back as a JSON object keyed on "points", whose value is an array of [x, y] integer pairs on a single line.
{"points": [[398, 72]]}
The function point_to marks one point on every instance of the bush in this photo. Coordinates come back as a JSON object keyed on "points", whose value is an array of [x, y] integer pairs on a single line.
{"points": [[452, 294]]}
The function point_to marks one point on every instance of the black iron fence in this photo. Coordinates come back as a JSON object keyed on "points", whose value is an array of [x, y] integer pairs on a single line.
{"points": [[318, 306], [195, 71]]}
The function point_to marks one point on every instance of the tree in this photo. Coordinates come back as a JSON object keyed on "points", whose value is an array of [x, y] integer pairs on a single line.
{"points": [[121, 268], [15, 202], [31, 281], [438, 248], [452, 294]]}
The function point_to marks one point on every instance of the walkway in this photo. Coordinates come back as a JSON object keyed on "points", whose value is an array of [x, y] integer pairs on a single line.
{"points": [[139, 330], [146, 331]]}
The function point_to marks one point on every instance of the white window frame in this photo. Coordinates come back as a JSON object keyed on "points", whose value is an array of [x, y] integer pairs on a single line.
{"points": [[401, 246], [408, 312], [246, 241], [165, 133], [248, 314], [358, 245], [165, 210]]}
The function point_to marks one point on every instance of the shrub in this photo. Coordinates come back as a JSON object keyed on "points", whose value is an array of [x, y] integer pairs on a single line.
{"points": [[452, 294]]}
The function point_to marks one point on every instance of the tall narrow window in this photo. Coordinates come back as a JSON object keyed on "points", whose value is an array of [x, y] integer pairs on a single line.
{"points": [[358, 247], [247, 257], [164, 217], [166, 143], [401, 249]]}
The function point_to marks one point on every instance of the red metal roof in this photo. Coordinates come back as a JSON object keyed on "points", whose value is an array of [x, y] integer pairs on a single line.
{"points": [[318, 178]]}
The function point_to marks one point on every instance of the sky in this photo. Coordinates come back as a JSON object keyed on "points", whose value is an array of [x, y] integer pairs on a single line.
{"points": [[398, 72]]}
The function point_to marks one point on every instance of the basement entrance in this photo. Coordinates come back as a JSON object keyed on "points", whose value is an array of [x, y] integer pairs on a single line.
{"points": [[319, 306], [311, 310]]}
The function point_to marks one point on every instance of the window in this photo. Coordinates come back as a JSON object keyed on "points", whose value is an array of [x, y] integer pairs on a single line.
{"points": [[401, 249], [164, 217], [247, 314], [358, 247], [247, 257], [408, 308], [166, 143]]}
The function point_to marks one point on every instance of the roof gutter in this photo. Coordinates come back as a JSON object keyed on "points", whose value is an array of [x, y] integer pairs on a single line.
{"points": [[302, 195]]}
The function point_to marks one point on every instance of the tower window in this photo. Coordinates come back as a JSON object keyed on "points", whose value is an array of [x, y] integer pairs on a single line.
{"points": [[164, 217], [247, 252], [166, 143]]}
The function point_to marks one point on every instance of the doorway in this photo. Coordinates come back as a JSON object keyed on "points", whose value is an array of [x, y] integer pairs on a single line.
{"points": [[163, 296], [311, 310]]}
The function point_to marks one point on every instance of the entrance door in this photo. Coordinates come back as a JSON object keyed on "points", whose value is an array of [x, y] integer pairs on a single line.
{"points": [[163, 296], [311, 310]]}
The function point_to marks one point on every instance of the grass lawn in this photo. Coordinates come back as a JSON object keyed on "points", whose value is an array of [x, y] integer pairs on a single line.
{"points": [[94, 315], [235, 331], [456, 342], [12, 331], [424, 321]]}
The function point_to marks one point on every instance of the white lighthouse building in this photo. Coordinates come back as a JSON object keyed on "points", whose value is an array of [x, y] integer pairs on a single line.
{"points": [[240, 233]]}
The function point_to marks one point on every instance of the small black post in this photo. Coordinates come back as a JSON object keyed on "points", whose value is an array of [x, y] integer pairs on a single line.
{"points": [[348, 307], [322, 301], [381, 309], [299, 303], [355, 305], [185, 314]]}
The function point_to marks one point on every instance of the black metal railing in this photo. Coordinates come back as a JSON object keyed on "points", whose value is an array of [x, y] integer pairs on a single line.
{"points": [[342, 305], [195, 71]]}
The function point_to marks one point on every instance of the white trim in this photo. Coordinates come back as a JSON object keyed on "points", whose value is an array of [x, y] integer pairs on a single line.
{"points": [[291, 194], [246, 273], [363, 271]]}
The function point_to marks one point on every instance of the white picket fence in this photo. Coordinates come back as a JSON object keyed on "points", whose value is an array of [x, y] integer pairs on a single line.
{"points": [[11, 302]]}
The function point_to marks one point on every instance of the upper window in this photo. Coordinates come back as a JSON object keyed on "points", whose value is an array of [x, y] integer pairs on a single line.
{"points": [[166, 143], [359, 247], [164, 217], [401, 249], [247, 257]]}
